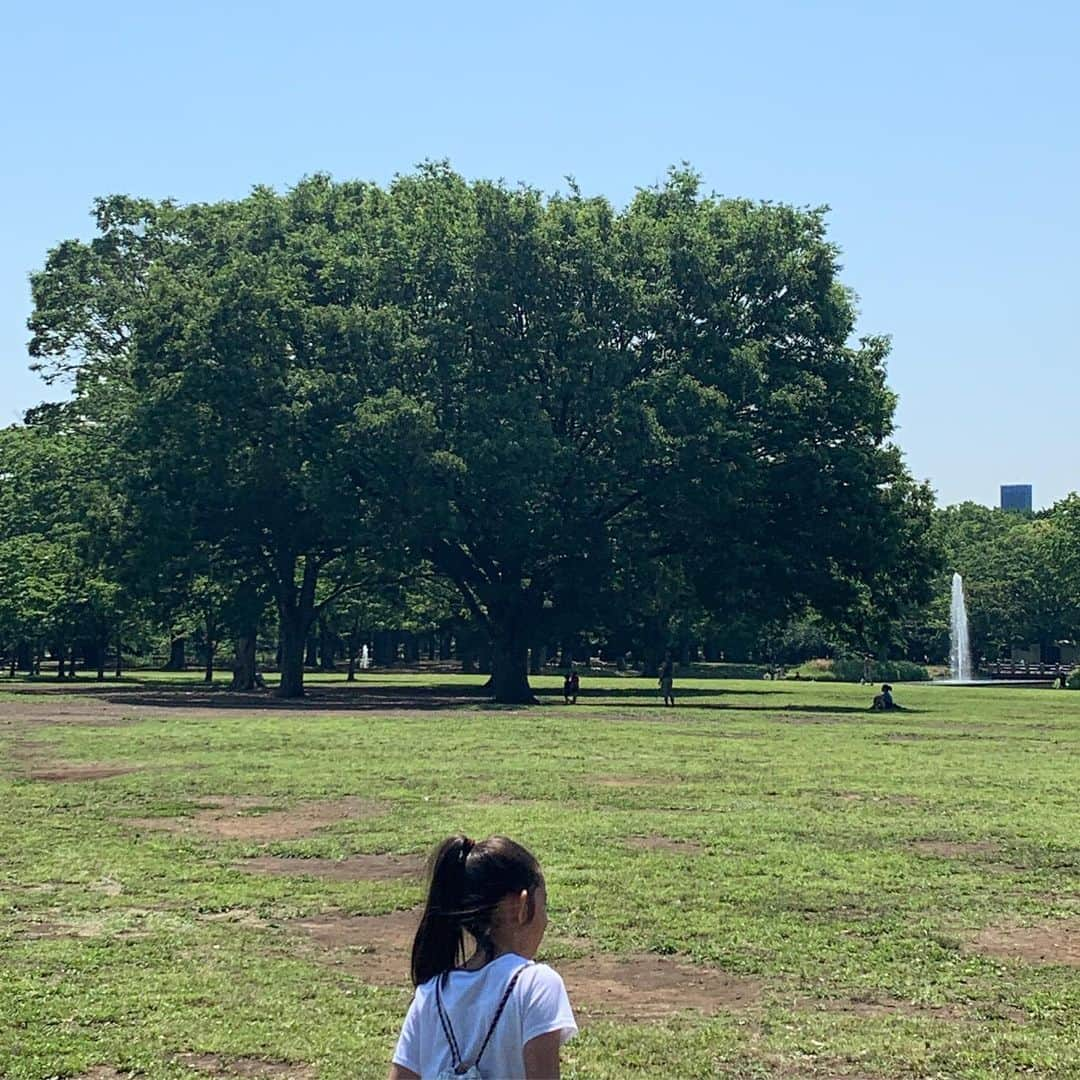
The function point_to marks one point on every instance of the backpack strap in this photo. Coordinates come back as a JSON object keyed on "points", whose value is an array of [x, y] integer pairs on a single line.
{"points": [[448, 1030], [499, 1011]]}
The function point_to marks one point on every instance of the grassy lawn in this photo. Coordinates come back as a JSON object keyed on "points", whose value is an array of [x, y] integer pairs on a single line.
{"points": [[795, 887]]}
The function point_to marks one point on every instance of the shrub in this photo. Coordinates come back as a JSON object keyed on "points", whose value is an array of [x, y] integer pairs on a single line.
{"points": [[851, 669], [818, 670], [1073, 681]]}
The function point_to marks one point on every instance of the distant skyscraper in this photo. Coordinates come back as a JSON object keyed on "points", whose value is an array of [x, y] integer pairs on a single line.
{"points": [[1016, 497]]}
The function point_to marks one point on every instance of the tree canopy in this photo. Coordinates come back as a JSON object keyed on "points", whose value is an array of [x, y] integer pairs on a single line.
{"points": [[548, 400]]}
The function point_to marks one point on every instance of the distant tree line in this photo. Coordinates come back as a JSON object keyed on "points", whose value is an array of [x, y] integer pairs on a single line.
{"points": [[505, 425]]}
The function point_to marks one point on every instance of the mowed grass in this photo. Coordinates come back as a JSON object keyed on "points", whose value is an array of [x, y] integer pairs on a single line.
{"points": [[845, 860]]}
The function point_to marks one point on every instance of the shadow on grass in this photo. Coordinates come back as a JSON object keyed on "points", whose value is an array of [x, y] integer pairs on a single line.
{"points": [[601, 701], [364, 694], [316, 699], [371, 696]]}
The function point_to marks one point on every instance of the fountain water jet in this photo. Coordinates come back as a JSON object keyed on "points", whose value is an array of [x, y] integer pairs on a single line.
{"points": [[959, 638]]}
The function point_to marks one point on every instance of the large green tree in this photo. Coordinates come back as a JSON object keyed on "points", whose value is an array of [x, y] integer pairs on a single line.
{"points": [[675, 380], [60, 561], [538, 397], [221, 347]]}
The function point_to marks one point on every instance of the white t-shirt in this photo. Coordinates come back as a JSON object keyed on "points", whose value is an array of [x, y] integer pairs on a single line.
{"points": [[537, 1005]]}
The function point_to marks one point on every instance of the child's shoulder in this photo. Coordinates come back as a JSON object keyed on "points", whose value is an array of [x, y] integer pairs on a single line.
{"points": [[541, 978]]}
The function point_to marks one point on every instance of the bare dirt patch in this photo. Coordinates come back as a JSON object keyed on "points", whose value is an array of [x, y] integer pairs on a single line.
{"points": [[374, 947], [33, 760], [113, 923], [641, 986], [645, 986], [246, 818], [236, 917], [41, 708], [102, 1072], [948, 849], [218, 1065], [666, 843], [1055, 942], [354, 868], [58, 772]]}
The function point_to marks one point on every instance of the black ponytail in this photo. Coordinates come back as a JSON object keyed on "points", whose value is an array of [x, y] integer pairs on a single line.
{"points": [[467, 882]]}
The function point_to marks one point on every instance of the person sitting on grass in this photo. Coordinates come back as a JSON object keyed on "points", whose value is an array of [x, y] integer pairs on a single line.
{"points": [[883, 702], [496, 1013]]}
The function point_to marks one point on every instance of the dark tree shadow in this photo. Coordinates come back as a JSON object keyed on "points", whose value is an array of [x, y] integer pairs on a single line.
{"points": [[371, 696]]}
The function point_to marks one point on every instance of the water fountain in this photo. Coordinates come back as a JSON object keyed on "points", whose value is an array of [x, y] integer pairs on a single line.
{"points": [[962, 669], [365, 658], [959, 639]]}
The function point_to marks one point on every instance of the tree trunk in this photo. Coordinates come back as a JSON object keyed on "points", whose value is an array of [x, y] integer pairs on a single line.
{"points": [[326, 648], [26, 657], [293, 646], [60, 664], [11, 673], [177, 657], [208, 675], [244, 665], [102, 646], [311, 651], [510, 664], [119, 657], [296, 617], [352, 644]]}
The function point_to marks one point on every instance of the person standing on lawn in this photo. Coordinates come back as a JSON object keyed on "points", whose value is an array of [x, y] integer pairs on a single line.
{"points": [[667, 680]]}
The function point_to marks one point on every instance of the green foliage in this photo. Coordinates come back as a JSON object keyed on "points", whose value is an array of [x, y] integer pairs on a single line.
{"points": [[1073, 680], [855, 669], [1021, 576], [59, 572], [549, 401]]}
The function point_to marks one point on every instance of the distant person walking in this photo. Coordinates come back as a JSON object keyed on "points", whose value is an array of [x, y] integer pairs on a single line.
{"points": [[667, 680], [497, 1013]]}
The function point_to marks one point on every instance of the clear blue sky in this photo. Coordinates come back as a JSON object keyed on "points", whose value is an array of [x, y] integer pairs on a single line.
{"points": [[945, 136]]}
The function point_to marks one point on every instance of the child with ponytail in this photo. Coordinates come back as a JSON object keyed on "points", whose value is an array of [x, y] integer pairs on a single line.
{"points": [[495, 1014]]}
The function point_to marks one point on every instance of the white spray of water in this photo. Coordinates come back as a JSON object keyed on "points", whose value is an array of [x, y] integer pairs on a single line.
{"points": [[959, 638], [365, 658]]}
